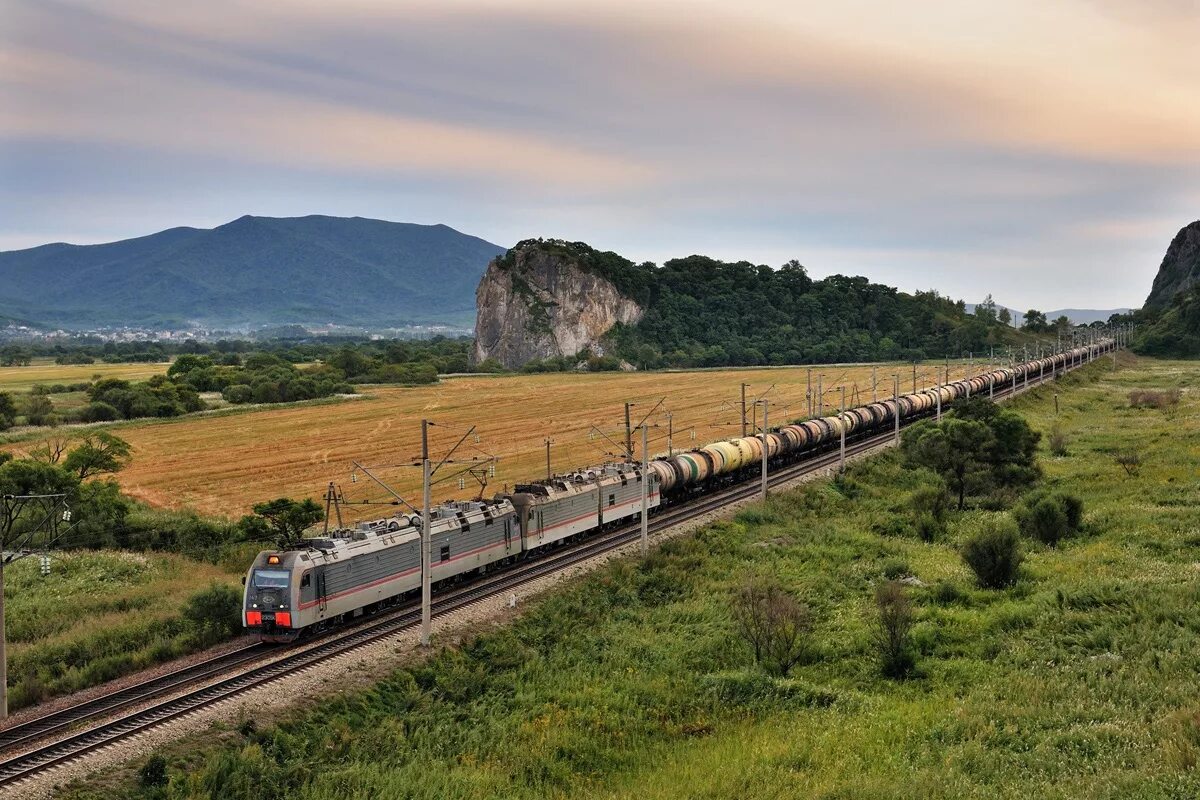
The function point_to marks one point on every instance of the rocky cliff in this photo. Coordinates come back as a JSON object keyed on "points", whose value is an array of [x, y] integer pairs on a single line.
{"points": [[1180, 268], [542, 300]]}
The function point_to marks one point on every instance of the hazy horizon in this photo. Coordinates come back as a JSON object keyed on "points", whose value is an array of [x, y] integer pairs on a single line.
{"points": [[1045, 155]]}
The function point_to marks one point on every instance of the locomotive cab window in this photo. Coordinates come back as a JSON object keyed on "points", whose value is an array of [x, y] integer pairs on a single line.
{"points": [[306, 580], [270, 579]]}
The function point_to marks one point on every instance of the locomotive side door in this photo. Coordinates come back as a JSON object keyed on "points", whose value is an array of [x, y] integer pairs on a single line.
{"points": [[322, 602]]}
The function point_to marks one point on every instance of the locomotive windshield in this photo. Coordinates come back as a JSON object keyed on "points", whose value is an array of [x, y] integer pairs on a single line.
{"points": [[270, 579]]}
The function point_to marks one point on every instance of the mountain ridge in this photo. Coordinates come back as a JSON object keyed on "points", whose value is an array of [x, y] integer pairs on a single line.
{"points": [[254, 270]]}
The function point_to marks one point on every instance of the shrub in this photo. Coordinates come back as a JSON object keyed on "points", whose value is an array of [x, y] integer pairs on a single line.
{"points": [[238, 393], [153, 773], [774, 623], [214, 613], [895, 568], [931, 500], [945, 592], [893, 630], [994, 554], [1049, 517], [98, 412], [1058, 442], [1145, 398], [1130, 461], [929, 528]]}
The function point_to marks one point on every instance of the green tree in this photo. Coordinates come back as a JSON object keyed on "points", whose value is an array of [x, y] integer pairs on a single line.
{"points": [[283, 520], [1004, 316], [98, 453], [1035, 321], [1013, 454], [8, 410], [956, 449]]}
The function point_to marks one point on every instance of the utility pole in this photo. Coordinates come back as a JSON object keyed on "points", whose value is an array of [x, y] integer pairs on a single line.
{"points": [[766, 452], [645, 494], [548, 442], [914, 377], [426, 535], [937, 393], [896, 399], [874, 385], [970, 369], [628, 435], [991, 386], [670, 434], [842, 426], [744, 385], [808, 392], [820, 395]]}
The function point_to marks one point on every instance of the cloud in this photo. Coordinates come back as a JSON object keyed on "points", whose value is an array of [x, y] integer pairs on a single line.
{"points": [[962, 144]]}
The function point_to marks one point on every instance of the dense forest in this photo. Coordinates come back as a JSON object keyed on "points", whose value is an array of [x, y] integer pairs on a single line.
{"points": [[707, 313]]}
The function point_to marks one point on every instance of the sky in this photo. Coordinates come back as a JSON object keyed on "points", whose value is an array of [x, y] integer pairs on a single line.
{"points": [[1043, 152]]}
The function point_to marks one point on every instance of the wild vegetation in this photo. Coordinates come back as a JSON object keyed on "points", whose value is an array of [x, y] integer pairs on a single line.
{"points": [[126, 584], [1076, 679]]}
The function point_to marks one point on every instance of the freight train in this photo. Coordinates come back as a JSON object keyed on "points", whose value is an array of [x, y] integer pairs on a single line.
{"points": [[331, 578]]}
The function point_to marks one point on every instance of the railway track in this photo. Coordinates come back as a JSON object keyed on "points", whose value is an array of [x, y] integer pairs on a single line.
{"points": [[167, 697]]}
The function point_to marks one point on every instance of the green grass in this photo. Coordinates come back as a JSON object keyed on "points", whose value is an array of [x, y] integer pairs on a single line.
{"points": [[1079, 681], [98, 615]]}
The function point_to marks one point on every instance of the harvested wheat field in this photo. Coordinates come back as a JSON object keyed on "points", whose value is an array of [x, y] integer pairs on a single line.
{"points": [[45, 371], [224, 464]]}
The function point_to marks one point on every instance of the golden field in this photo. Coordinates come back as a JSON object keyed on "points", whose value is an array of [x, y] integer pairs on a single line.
{"points": [[222, 464], [20, 379]]}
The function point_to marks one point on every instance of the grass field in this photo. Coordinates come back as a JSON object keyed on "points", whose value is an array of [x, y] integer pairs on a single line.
{"points": [[96, 616], [45, 371], [1077, 682], [222, 465]]}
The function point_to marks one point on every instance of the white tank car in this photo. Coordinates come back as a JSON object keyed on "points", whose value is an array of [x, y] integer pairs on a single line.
{"points": [[340, 575], [567, 505]]}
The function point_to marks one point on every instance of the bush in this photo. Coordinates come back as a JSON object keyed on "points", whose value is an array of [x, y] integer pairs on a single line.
{"points": [[894, 569], [1058, 442], [1130, 461], [98, 412], [893, 630], [153, 773], [214, 613], [774, 623], [1049, 517], [930, 528], [1161, 400], [994, 554], [238, 393]]}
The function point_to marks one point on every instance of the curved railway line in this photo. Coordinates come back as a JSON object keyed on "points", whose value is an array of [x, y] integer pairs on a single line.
{"points": [[91, 725]]}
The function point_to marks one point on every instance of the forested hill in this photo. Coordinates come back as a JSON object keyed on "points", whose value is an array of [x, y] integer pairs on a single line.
{"points": [[254, 270], [699, 311]]}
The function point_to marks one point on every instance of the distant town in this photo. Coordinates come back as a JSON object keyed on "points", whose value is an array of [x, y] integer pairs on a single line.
{"points": [[20, 332]]}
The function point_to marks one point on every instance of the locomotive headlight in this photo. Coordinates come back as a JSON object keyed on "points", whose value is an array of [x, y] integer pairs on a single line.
{"points": [[272, 559], [254, 605]]}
